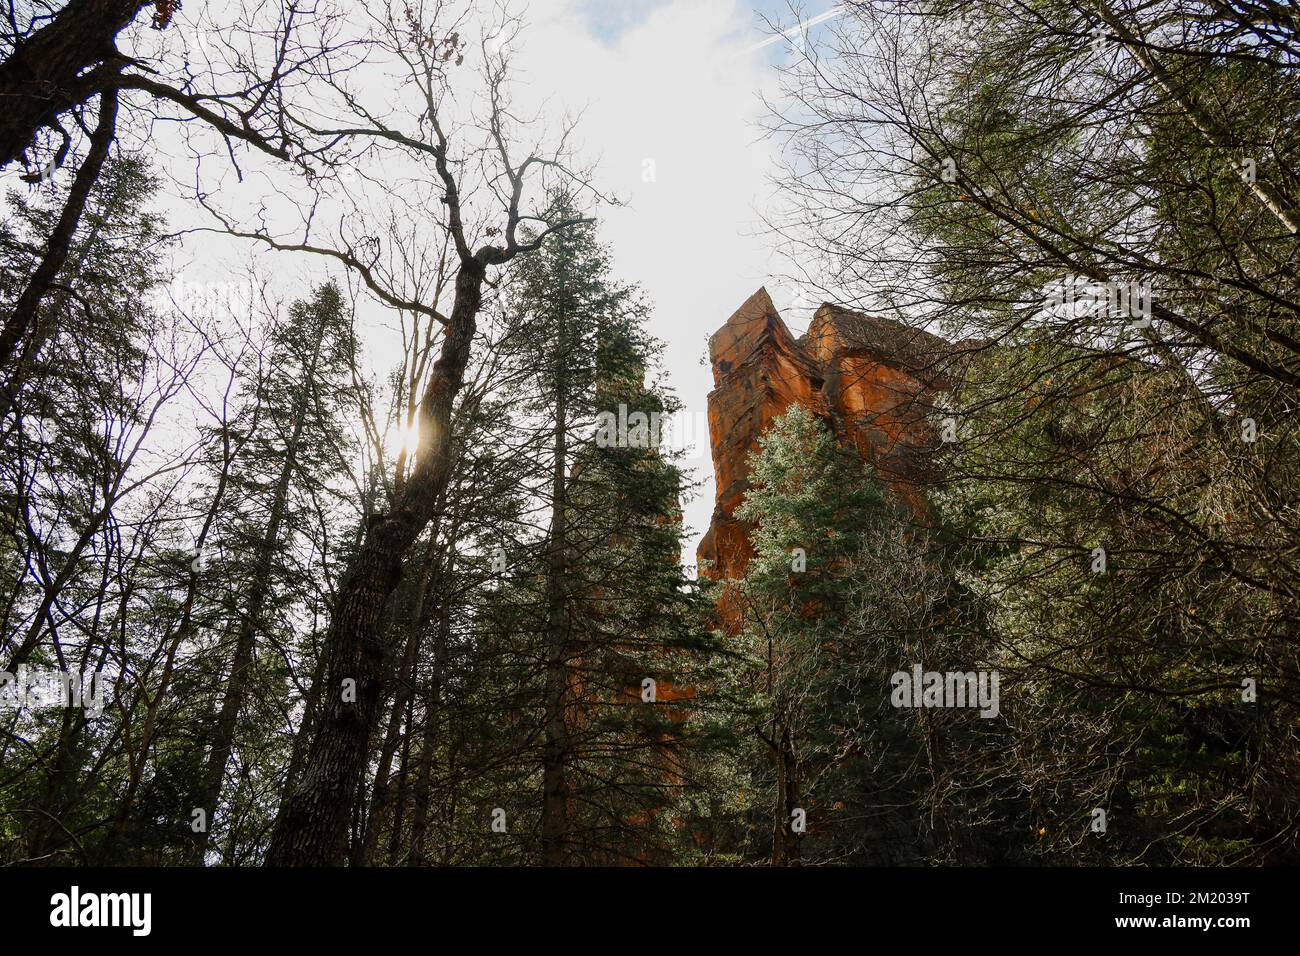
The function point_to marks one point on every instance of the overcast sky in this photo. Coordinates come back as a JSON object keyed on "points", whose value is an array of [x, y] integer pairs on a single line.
{"points": [[672, 96]]}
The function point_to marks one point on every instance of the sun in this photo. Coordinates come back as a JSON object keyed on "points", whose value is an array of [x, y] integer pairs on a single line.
{"points": [[403, 438]]}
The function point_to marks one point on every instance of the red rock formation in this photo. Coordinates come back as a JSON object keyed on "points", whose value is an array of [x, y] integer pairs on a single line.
{"points": [[873, 380]]}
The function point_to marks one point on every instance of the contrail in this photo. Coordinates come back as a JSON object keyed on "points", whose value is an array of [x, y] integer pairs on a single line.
{"points": [[796, 29]]}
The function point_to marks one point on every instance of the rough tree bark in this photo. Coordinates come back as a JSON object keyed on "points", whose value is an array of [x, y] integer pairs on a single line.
{"points": [[46, 73]]}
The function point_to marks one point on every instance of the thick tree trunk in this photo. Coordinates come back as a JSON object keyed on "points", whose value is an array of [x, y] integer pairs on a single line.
{"points": [[313, 828], [312, 703], [45, 75]]}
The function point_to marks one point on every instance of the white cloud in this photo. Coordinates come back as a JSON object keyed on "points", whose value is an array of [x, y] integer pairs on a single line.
{"points": [[671, 111]]}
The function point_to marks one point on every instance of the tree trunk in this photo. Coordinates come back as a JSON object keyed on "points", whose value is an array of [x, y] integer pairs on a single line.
{"points": [[1275, 201], [312, 703], [44, 75], [312, 830], [56, 249], [785, 842], [403, 778], [45, 325]]}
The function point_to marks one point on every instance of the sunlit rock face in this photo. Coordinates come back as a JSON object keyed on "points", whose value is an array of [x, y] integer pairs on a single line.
{"points": [[873, 380]]}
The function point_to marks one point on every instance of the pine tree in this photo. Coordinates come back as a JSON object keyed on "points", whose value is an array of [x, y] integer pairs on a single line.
{"points": [[297, 437], [597, 612]]}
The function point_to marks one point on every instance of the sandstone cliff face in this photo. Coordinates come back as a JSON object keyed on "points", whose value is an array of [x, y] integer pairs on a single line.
{"points": [[871, 379]]}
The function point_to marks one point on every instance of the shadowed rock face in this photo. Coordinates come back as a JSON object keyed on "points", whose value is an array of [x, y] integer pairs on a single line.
{"points": [[873, 380]]}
